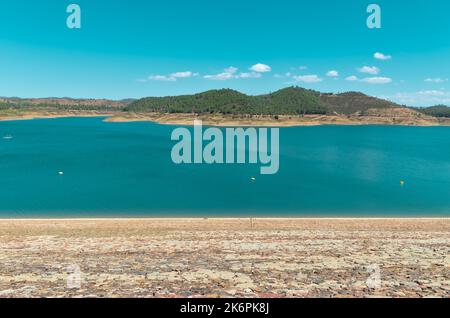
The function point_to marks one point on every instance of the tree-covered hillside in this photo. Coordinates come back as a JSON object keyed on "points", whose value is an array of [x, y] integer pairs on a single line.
{"points": [[61, 104], [288, 101], [353, 102], [436, 111]]}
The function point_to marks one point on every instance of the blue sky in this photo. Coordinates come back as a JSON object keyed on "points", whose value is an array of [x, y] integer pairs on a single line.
{"points": [[169, 47]]}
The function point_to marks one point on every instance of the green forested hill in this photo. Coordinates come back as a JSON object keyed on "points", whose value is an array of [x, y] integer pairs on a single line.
{"points": [[287, 101], [224, 101], [436, 111], [353, 102], [293, 100]]}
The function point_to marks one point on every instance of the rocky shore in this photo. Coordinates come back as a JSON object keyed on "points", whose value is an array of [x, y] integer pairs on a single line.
{"points": [[397, 117], [225, 258], [392, 117]]}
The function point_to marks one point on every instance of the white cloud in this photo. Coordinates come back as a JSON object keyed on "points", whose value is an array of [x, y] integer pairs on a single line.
{"points": [[436, 80], [369, 70], [171, 77], [351, 78], [307, 78], [332, 73], [377, 80], [381, 56], [183, 74], [231, 73], [219, 77], [260, 68], [163, 78], [423, 98], [228, 73], [432, 93], [249, 75], [285, 75], [303, 67], [231, 70], [369, 80]]}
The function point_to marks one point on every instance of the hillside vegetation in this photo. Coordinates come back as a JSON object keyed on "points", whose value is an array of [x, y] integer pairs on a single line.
{"points": [[436, 111], [287, 101], [226, 101], [61, 104], [354, 102]]}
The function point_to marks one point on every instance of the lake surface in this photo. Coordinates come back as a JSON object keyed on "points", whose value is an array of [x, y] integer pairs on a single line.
{"points": [[125, 169]]}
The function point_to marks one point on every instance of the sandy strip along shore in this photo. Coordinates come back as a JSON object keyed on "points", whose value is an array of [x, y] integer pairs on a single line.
{"points": [[221, 120], [225, 258]]}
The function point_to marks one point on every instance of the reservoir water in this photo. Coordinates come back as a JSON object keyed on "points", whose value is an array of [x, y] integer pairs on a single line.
{"points": [[85, 167]]}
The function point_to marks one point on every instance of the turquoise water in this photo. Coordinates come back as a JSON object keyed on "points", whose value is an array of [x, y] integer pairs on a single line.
{"points": [[125, 169]]}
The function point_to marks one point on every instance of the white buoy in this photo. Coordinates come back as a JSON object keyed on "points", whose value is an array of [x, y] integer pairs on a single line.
{"points": [[253, 179], [61, 173]]}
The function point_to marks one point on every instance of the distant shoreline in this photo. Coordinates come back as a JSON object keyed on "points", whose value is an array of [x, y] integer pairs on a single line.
{"points": [[220, 120], [275, 121], [53, 115]]}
